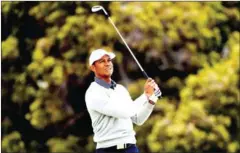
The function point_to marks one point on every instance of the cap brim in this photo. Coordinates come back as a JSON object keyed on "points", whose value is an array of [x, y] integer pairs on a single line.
{"points": [[111, 55]]}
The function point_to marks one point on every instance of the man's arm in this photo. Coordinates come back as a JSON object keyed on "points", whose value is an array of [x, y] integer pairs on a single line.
{"points": [[121, 106], [145, 107], [142, 115], [115, 105]]}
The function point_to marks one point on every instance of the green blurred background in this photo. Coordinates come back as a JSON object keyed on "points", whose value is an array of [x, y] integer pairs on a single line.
{"points": [[191, 49]]}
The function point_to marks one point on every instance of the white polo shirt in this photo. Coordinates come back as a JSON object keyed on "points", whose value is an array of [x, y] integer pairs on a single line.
{"points": [[112, 112]]}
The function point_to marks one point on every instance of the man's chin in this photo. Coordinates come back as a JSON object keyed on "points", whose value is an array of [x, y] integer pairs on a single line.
{"points": [[108, 75]]}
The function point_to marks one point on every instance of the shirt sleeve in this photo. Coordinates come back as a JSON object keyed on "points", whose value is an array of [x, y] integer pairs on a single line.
{"points": [[142, 115], [115, 104], [144, 108]]}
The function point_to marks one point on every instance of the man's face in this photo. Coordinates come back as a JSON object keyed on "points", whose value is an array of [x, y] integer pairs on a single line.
{"points": [[103, 67]]}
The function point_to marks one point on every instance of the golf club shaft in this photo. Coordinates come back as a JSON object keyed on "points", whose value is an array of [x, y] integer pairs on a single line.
{"points": [[144, 73]]}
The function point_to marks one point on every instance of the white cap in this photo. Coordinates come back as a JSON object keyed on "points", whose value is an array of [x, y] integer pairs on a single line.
{"points": [[99, 53]]}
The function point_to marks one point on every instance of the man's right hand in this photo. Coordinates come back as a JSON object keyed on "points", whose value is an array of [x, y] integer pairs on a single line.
{"points": [[149, 87], [152, 91]]}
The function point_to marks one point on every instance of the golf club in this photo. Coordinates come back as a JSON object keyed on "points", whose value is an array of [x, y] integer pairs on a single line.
{"points": [[99, 8]]}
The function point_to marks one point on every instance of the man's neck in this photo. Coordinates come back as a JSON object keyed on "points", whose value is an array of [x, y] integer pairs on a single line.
{"points": [[106, 79]]}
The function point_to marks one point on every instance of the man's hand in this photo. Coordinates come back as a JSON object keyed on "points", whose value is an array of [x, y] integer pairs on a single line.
{"points": [[149, 87], [151, 90]]}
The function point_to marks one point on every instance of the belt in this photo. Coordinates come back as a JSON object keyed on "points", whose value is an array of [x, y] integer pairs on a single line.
{"points": [[118, 147]]}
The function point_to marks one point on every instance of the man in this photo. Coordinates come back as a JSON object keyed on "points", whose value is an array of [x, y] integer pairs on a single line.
{"points": [[111, 108]]}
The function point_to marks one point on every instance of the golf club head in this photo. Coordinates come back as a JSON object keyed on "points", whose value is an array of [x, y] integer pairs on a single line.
{"points": [[98, 8]]}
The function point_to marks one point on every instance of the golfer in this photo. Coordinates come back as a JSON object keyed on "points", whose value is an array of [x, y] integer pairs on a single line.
{"points": [[111, 108]]}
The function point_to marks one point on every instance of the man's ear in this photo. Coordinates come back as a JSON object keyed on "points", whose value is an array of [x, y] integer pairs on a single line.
{"points": [[92, 67]]}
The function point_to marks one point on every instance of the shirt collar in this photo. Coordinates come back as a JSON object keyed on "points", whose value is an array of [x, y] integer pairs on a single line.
{"points": [[101, 82]]}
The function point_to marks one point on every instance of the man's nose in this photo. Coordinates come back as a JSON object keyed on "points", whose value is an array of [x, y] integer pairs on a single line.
{"points": [[107, 63]]}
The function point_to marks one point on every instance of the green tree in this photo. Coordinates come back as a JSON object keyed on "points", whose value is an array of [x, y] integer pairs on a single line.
{"points": [[64, 145], [13, 143]]}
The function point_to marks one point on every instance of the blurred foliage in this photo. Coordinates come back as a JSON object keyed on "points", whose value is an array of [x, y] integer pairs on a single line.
{"points": [[63, 145], [10, 48], [191, 49], [209, 104], [48, 112], [13, 143]]}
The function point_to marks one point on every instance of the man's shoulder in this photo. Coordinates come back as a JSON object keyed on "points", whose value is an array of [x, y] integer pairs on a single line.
{"points": [[121, 87], [93, 88]]}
